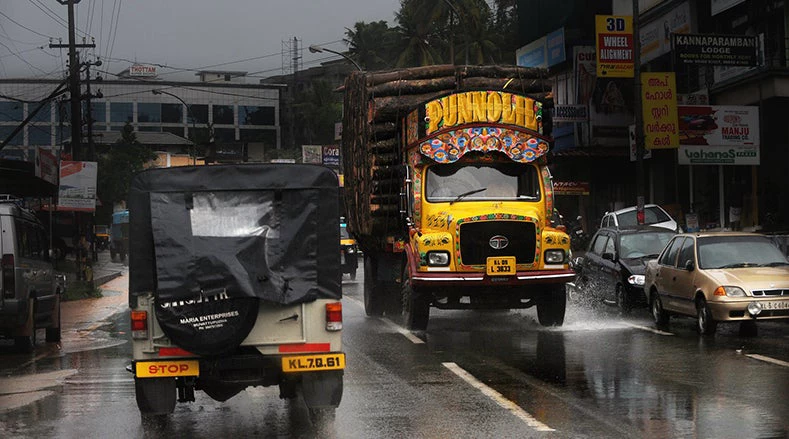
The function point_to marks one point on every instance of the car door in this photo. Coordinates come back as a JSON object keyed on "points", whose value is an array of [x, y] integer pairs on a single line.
{"points": [[609, 272], [667, 276], [684, 286], [593, 261]]}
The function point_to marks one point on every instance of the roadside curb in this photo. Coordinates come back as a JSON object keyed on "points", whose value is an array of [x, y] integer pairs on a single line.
{"points": [[100, 281]]}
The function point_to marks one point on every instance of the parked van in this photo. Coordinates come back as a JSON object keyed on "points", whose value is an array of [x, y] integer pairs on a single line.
{"points": [[29, 292]]}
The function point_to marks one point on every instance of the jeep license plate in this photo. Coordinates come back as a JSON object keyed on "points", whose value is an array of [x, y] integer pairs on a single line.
{"points": [[310, 363], [501, 266], [163, 369]]}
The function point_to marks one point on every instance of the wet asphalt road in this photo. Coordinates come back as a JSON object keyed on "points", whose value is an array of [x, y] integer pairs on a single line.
{"points": [[471, 374]]}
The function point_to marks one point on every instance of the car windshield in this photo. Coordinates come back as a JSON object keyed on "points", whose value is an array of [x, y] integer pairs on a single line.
{"points": [[639, 245], [488, 181], [652, 215], [738, 251]]}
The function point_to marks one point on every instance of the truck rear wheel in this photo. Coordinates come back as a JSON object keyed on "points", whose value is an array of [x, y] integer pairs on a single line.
{"points": [[416, 307], [551, 306], [374, 303]]}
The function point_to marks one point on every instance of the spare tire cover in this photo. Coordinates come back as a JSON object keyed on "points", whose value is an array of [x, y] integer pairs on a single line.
{"points": [[209, 326]]}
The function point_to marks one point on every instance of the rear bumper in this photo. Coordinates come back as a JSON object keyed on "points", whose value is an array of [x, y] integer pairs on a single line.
{"points": [[542, 277]]}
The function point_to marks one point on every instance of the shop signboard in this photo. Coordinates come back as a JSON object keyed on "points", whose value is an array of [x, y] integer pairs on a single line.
{"points": [[312, 154], [614, 44], [571, 187], [77, 190], [331, 155], [46, 165], [655, 36], [570, 113], [545, 51], [716, 50], [718, 135], [659, 105]]}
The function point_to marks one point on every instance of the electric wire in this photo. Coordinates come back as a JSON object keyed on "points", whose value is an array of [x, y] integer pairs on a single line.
{"points": [[23, 26]]}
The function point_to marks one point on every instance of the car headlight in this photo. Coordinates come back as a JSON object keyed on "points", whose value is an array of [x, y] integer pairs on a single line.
{"points": [[636, 279], [554, 256], [730, 291], [438, 259]]}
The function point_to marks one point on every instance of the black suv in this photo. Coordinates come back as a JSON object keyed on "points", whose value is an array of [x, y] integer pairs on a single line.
{"points": [[612, 270]]}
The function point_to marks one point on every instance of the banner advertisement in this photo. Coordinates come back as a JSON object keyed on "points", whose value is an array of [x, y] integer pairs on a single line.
{"points": [[655, 36], [614, 44], [77, 190], [312, 154], [659, 105], [46, 165], [609, 100], [331, 155], [718, 135], [716, 50], [545, 51]]}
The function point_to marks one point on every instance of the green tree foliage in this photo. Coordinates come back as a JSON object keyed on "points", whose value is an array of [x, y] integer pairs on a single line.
{"points": [[317, 109], [117, 164], [371, 44]]}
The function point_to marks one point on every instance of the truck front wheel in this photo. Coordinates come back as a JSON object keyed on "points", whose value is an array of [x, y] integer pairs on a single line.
{"points": [[416, 307], [551, 305]]}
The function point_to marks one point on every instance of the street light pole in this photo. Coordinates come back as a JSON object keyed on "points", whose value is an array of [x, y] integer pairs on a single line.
{"points": [[318, 49], [188, 114]]}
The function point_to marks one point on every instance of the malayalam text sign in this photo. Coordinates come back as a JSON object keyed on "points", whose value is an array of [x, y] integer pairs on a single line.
{"points": [[614, 41], [659, 105]]}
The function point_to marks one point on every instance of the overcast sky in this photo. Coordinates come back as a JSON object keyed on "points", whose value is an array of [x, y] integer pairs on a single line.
{"points": [[183, 34]]}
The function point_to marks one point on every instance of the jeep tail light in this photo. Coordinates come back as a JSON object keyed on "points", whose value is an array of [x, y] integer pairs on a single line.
{"points": [[7, 272], [139, 324], [334, 316]]}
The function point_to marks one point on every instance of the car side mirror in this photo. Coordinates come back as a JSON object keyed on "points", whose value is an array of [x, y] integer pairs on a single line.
{"points": [[608, 256], [689, 265]]}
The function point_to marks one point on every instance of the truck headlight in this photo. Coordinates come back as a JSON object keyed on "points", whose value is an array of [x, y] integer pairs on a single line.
{"points": [[636, 279], [438, 259], [554, 256]]}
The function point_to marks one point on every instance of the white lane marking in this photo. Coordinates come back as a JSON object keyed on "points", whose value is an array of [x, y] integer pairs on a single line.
{"points": [[648, 329], [498, 398], [407, 334], [768, 359]]}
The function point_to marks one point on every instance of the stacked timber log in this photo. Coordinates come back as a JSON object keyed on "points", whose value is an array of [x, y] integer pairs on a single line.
{"points": [[373, 104]]}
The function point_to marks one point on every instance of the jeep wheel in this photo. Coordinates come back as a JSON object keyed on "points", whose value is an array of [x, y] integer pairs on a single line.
{"points": [[551, 305], [416, 306], [27, 343], [53, 333], [374, 303]]}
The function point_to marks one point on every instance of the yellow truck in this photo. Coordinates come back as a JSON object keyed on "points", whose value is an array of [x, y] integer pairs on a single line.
{"points": [[448, 192]]}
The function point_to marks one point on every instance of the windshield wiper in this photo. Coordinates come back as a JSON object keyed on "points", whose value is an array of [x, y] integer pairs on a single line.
{"points": [[775, 264], [740, 265], [466, 194]]}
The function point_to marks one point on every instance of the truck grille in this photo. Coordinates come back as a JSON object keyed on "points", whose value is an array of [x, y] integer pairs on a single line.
{"points": [[475, 241]]}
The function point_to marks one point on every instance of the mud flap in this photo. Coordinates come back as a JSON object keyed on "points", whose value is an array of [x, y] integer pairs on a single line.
{"points": [[155, 396], [322, 389]]}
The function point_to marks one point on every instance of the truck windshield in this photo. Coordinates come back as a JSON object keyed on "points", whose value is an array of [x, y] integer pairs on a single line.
{"points": [[482, 181]]}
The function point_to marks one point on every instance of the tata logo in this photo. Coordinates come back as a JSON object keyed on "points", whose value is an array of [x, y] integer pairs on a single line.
{"points": [[498, 242]]}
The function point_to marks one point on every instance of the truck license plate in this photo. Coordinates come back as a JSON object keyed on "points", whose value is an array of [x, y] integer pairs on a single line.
{"points": [[162, 369], [501, 266], [310, 363]]}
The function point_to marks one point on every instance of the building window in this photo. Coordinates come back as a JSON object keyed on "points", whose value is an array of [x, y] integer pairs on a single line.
{"points": [[98, 111], [223, 114], [121, 112], [43, 115], [269, 137], [6, 131], [39, 135], [149, 112], [199, 113], [249, 115], [224, 134], [11, 112], [173, 113]]}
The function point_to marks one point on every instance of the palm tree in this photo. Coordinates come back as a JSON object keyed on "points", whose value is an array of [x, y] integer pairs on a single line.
{"points": [[418, 29], [370, 44]]}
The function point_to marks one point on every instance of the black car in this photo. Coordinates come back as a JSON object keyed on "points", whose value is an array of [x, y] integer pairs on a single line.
{"points": [[612, 270]]}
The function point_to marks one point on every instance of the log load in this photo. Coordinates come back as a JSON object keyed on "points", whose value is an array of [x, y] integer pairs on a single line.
{"points": [[373, 104]]}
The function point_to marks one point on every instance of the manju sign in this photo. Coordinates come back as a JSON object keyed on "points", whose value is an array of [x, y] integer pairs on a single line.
{"points": [[614, 44], [659, 105], [718, 135]]}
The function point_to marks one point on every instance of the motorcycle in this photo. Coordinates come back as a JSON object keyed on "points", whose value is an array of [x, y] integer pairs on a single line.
{"points": [[579, 239]]}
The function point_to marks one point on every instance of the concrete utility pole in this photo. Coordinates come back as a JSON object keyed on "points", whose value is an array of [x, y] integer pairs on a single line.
{"points": [[74, 86], [639, 116]]}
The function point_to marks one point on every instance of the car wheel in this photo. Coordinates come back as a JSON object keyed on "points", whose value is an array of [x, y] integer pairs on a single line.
{"points": [[623, 302], [353, 274], [551, 305], [748, 328], [416, 307], [705, 324], [658, 313], [373, 302]]}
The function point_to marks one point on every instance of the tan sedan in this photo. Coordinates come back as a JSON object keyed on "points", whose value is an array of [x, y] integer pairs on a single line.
{"points": [[719, 277]]}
